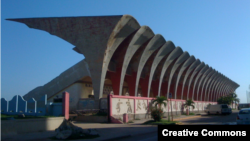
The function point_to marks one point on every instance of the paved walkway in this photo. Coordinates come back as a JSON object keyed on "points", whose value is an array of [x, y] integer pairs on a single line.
{"points": [[106, 131]]}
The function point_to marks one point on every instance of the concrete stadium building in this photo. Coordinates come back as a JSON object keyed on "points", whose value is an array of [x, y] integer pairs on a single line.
{"points": [[128, 59]]}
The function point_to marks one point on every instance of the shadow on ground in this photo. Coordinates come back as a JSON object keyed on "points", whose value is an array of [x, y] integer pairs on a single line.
{"points": [[211, 119]]}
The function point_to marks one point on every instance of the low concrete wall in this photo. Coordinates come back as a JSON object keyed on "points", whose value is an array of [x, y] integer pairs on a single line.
{"points": [[148, 116], [92, 119], [138, 107], [30, 125]]}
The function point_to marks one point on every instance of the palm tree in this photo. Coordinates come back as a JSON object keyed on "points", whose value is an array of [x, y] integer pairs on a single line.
{"points": [[234, 98], [157, 113], [159, 101], [189, 103]]}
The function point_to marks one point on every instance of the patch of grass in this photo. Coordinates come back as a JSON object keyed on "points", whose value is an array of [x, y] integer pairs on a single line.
{"points": [[162, 122], [137, 119], [190, 114], [131, 121], [77, 137]]}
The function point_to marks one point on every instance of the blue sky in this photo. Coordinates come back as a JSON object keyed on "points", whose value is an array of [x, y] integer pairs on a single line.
{"points": [[216, 32]]}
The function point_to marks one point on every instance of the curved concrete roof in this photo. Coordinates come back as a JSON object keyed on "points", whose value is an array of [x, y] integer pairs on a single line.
{"points": [[165, 50], [98, 38]]}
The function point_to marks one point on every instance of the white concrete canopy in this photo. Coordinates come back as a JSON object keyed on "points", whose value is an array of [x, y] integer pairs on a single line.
{"points": [[173, 55], [143, 35], [186, 65], [191, 69], [178, 63], [156, 42], [164, 51]]}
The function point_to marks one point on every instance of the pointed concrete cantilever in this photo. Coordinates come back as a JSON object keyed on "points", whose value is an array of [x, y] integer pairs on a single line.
{"points": [[172, 56], [223, 86], [206, 73], [165, 50], [86, 33], [202, 71], [156, 42], [205, 82], [187, 63], [197, 69], [143, 35], [124, 28], [217, 87], [214, 89], [209, 83], [176, 65], [212, 85], [190, 69]]}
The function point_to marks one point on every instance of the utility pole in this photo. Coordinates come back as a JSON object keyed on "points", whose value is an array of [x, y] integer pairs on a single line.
{"points": [[170, 96]]}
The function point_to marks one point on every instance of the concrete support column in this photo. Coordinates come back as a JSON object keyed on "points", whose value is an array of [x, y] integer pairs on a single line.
{"points": [[65, 107]]}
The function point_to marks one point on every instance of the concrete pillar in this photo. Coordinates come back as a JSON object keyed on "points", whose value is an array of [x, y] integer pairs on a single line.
{"points": [[65, 107]]}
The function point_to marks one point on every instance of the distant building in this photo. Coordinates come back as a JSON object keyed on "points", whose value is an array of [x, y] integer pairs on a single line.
{"points": [[248, 97]]}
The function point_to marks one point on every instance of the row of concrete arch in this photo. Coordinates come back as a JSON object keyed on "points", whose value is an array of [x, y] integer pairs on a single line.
{"points": [[117, 46]]}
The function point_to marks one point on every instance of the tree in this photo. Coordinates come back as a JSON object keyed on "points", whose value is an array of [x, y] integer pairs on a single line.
{"points": [[159, 101], [157, 111], [228, 99], [189, 102], [235, 98]]}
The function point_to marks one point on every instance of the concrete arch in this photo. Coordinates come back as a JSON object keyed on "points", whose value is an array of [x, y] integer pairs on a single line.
{"points": [[205, 83], [220, 85], [173, 55], [208, 83], [203, 77], [165, 50], [178, 63], [211, 86], [201, 72], [212, 90], [141, 36], [156, 42], [229, 88], [224, 87], [188, 63], [233, 85], [193, 66], [222, 90], [217, 84], [197, 69], [126, 26]]}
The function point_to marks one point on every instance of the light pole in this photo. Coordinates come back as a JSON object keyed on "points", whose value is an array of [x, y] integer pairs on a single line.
{"points": [[170, 96]]}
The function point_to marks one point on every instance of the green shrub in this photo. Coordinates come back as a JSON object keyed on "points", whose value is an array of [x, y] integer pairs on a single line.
{"points": [[157, 114]]}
